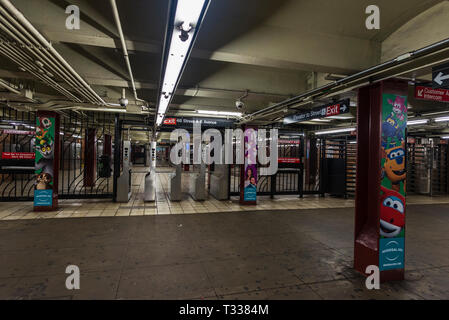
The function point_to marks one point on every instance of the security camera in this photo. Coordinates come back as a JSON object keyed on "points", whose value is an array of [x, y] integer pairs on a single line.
{"points": [[123, 102], [239, 104]]}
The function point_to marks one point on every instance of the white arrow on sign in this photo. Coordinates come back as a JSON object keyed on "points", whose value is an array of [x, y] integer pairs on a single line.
{"points": [[420, 92], [343, 108], [440, 78]]}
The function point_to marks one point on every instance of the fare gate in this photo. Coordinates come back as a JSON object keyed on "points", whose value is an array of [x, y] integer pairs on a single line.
{"points": [[17, 135]]}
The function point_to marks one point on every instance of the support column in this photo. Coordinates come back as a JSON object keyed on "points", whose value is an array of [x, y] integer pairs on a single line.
{"points": [[90, 157], [381, 179], [47, 149]]}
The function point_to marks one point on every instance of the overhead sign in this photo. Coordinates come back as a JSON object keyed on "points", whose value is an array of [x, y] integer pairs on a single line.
{"points": [[329, 110], [170, 121], [440, 76], [427, 93], [183, 122]]}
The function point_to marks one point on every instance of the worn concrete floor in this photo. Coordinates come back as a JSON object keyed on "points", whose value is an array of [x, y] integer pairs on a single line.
{"points": [[302, 254]]}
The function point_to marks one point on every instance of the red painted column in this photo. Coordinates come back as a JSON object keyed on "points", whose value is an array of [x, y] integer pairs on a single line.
{"points": [[380, 190], [47, 150], [90, 157]]}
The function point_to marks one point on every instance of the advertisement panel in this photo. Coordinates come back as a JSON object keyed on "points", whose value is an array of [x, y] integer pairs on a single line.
{"points": [[44, 155], [393, 183], [250, 174]]}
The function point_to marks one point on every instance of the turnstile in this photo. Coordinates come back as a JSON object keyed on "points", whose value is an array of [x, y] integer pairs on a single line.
{"points": [[124, 190], [197, 183], [175, 180]]}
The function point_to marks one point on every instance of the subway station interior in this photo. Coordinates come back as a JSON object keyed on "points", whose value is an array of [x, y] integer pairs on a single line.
{"points": [[224, 149]]}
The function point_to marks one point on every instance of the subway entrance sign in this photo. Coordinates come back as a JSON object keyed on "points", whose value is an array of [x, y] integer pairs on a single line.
{"points": [[329, 110]]}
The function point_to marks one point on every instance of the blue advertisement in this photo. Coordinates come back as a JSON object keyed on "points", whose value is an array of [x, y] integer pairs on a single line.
{"points": [[43, 198], [391, 253]]}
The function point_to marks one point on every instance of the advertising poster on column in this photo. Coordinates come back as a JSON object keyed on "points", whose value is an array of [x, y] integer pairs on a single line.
{"points": [[250, 175], [44, 155], [393, 183]]}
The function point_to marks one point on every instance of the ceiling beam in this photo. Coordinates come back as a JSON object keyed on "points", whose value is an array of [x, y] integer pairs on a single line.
{"points": [[254, 46]]}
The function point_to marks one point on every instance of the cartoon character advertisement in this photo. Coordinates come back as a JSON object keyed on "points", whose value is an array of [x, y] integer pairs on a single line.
{"points": [[44, 155], [393, 184], [250, 176]]}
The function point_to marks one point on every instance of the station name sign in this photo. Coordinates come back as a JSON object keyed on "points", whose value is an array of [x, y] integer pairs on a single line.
{"points": [[183, 122], [428, 93], [329, 110]]}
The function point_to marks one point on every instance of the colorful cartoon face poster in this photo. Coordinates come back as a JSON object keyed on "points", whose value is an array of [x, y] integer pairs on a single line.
{"points": [[250, 175], [393, 184], [44, 151]]}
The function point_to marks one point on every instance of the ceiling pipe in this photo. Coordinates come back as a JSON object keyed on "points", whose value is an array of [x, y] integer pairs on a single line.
{"points": [[125, 50], [50, 51], [360, 76], [29, 44], [14, 55], [9, 87]]}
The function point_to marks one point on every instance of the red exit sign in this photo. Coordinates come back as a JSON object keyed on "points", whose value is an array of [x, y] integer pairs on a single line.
{"points": [[333, 110], [170, 121]]}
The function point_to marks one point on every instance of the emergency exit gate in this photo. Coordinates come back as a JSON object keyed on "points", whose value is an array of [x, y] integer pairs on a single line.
{"points": [[18, 185], [427, 169]]}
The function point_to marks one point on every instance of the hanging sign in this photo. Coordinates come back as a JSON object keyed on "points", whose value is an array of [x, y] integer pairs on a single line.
{"points": [[440, 76], [329, 110], [431, 94]]}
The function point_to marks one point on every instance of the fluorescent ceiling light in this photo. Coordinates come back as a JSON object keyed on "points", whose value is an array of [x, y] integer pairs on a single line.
{"points": [[442, 119], [321, 120], [335, 131], [415, 122], [446, 137], [220, 113], [187, 16], [342, 117]]}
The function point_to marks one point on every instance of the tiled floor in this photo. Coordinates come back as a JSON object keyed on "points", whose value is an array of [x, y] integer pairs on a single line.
{"points": [[162, 206], [291, 254]]}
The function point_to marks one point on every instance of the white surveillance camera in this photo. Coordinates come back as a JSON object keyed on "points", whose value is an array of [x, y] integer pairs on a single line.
{"points": [[239, 104], [123, 102]]}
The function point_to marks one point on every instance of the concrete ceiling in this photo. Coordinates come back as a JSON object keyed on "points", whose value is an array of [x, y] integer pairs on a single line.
{"points": [[266, 47]]}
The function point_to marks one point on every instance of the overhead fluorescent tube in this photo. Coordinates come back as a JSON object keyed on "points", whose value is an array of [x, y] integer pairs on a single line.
{"points": [[321, 120], [220, 113], [415, 122], [335, 131], [186, 21], [442, 119], [446, 137]]}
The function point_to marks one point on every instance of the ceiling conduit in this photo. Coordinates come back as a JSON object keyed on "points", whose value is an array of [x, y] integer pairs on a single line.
{"points": [[27, 47], [367, 75]]}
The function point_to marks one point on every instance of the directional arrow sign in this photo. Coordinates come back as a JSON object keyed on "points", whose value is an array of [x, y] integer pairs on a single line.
{"points": [[328, 110], [440, 76]]}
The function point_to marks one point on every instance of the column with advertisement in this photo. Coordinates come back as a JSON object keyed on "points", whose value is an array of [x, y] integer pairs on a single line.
{"points": [[381, 170], [393, 183], [46, 161]]}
